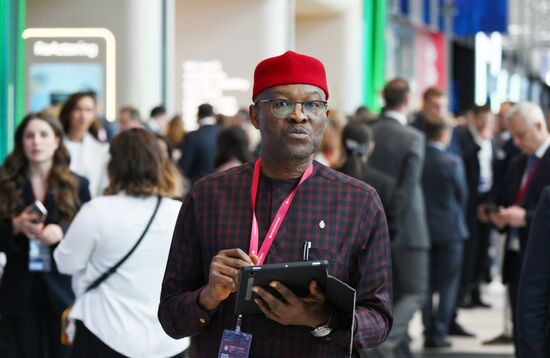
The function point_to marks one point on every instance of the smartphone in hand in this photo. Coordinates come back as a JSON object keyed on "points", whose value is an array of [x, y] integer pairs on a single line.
{"points": [[491, 208], [40, 211]]}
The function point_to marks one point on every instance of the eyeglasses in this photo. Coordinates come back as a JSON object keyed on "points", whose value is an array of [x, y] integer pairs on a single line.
{"points": [[285, 107]]}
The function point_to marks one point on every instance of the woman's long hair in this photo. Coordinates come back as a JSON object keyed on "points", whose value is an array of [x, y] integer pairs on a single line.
{"points": [[175, 132], [68, 108], [232, 144], [137, 166], [62, 184]]}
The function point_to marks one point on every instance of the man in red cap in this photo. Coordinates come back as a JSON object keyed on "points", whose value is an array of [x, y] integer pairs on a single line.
{"points": [[267, 212]]}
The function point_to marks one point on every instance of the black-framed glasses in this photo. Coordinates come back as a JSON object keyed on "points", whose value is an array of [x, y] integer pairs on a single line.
{"points": [[285, 107]]}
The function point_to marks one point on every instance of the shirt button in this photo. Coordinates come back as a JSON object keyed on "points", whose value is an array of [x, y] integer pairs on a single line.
{"points": [[202, 320]]}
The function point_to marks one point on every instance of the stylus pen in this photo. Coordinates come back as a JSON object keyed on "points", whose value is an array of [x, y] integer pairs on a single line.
{"points": [[307, 246]]}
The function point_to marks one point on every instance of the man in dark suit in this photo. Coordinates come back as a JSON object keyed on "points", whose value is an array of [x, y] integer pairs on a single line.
{"points": [[478, 154], [399, 153], [533, 311], [445, 193], [199, 147], [526, 177], [505, 151]]}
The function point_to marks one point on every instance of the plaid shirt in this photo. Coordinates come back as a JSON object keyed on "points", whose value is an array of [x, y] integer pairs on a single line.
{"points": [[217, 215]]}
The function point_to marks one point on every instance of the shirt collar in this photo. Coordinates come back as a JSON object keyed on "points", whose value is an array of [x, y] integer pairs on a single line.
{"points": [[542, 149], [400, 117], [207, 121], [437, 145], [475, 133]]}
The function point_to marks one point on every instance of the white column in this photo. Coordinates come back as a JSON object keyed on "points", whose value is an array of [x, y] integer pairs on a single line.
{"points": [[140, 44], [352, 57], [276, 27]]}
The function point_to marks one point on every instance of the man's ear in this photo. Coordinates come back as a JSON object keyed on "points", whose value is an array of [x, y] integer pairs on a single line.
{"points": [[253, 110]]}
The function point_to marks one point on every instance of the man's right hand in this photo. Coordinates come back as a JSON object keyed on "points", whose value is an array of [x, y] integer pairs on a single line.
{"points": [[223, 276]]}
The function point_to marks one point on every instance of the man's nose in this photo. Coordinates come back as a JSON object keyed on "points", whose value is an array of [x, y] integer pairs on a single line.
{"points": [[298, 114]]}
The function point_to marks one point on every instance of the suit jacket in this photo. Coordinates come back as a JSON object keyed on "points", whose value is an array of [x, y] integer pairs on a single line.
{"points": [[533, 309], [469, 150], [505, 152], [511, 187], [18, 281], [399, 153], [446, 195], [198, 152]]}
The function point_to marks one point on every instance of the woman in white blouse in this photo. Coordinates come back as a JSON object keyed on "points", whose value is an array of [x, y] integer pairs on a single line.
{"points": [[89, 156], [119, 317]]}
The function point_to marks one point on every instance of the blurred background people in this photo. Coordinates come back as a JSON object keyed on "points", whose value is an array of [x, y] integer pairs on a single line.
{"points": [[399, 153], [129, 117], [174, 175], [232, 149], [445, 194], [526, 177], [330, 153], [33, 293], [88, 155], [158, 120], [174, 134], [118, 318], [358, 146], [434, 104], [199, 147], [478, 154], [505, 151]]}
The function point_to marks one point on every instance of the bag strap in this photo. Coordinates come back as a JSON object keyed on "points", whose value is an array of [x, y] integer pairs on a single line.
{"points": [[113, 269]]}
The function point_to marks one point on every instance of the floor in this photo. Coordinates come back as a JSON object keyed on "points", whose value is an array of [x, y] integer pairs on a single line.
{"points": [[485, 323]]}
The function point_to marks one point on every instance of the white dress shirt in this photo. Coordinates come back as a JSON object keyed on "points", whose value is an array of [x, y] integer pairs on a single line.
{"points": [[122, 310], [485, 157], [400, 117], [89, 159]]}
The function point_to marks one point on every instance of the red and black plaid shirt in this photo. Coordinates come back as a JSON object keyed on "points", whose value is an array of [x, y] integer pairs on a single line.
{"points": [[217, 215]]}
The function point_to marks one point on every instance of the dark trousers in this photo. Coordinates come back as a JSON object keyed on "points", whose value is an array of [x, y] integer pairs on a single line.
{"points": [[445, 269], [410, 281], [476, 267], [87, 345], [37, 332], [513, 261]]}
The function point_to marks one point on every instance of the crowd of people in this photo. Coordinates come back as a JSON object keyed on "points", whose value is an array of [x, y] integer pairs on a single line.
{"points": [[104, 224]]}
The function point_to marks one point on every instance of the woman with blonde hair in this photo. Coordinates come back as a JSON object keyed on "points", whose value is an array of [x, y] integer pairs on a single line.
{"points": [[123, 237]]}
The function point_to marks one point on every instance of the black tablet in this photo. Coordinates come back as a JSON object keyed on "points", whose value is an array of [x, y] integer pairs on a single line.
{"points": [[295, 275]]}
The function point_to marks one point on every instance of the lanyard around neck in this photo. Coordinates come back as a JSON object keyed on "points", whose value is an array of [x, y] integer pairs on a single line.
{"points": [[281, 213]]}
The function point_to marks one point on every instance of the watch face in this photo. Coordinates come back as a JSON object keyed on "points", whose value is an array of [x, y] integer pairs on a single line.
{"points": [[321, 331]]}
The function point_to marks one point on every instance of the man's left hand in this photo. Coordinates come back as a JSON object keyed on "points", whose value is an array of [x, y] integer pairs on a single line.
{"points": [[515, 216], [311, 311]]}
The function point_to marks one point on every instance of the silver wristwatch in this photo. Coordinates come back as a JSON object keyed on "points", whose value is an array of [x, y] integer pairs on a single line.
{"points": [[323, 330]]}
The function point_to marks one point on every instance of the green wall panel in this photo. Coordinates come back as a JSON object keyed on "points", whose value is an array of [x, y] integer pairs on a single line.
{"points": [[374, 16], [12, 70]]}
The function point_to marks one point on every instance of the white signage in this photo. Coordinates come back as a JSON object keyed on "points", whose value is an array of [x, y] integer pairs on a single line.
{"points": [[65, 49], [205, 82]]}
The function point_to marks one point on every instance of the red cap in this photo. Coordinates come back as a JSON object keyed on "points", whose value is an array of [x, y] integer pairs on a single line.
{"points": [[289, 68]]}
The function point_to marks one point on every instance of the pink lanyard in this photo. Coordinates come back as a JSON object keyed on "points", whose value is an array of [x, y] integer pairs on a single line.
{"points": [[276, 224]]}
